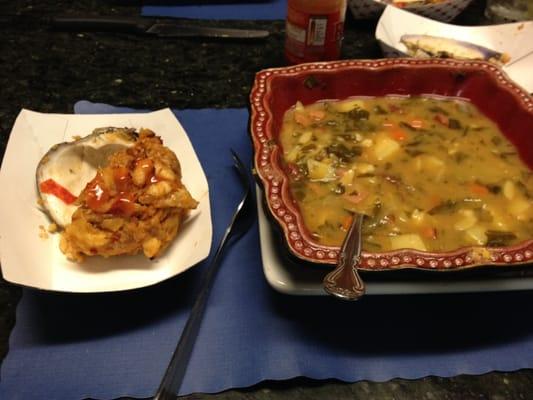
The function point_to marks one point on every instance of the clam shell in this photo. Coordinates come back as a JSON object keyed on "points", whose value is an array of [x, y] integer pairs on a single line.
{"points": [[73, 164], [441, 47]]}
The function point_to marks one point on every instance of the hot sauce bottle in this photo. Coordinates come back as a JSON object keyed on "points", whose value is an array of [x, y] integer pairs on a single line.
{"points": [[314, 30]]}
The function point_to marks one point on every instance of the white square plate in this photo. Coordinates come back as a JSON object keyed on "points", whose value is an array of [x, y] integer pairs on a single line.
{"points": [[29, 259], [292, 278]]}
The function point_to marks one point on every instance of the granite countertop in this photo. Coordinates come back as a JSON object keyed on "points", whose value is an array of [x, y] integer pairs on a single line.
{"points": [[49, 71]]}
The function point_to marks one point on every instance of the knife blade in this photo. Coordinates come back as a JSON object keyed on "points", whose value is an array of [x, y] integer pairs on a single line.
{"points": [[153, 27]]}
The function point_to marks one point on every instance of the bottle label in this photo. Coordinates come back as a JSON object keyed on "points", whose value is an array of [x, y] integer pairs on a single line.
{"points": [[316, 31], [312, 37]]}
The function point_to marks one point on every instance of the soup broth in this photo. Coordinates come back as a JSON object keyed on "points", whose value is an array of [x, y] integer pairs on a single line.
{"points": [[432, 174]]}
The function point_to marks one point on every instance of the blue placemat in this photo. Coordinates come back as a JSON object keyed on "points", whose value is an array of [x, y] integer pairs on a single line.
{"points": [[252, 9], [106, 346]]}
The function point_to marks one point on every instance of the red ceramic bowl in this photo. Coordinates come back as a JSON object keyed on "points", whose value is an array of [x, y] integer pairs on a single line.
{"points": [[276, 90]]}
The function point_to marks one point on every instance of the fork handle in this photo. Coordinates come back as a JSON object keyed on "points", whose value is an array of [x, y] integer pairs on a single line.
{"points": [[178, 363], [175, 372]]}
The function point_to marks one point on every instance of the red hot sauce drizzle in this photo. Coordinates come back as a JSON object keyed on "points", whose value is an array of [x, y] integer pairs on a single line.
{"points": [[96, 197], [50, 186], [120, 201]]}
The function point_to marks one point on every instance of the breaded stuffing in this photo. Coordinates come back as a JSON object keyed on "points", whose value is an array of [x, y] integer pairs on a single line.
{"points": [[136, 203]]}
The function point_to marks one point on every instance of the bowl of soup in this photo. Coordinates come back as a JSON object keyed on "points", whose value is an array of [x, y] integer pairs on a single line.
{"points": [[435, 153]]}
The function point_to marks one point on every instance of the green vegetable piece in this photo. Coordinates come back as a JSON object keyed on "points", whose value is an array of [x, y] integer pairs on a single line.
{"points": [[499, 238], [454, 124], [496, 140], [445, 207], [409, 127], [343, 153], [380, 110], [495, 189], [438, 110], [459, 157], [359, 114]]}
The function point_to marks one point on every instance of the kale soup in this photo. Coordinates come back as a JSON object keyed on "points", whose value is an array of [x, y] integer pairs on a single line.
{"points": [[430, 173]]}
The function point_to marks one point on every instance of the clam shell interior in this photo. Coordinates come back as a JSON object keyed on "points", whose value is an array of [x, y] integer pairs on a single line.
{"points": [[73, 164]]}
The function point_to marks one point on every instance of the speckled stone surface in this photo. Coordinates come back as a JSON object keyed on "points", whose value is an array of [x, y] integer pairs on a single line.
{"points": [[49, 71]]}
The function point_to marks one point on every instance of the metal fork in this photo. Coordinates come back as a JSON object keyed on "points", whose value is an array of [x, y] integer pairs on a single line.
{"points": [[240, 223]]}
